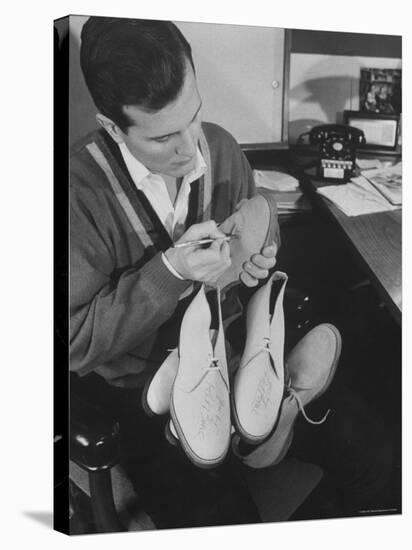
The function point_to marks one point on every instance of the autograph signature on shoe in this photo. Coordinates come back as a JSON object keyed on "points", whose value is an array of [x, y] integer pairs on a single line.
{"points": [[210, 410], [262, 398]]}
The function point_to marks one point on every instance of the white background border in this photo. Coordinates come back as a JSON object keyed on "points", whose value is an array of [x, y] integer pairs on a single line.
{"points": [[26, 251]]}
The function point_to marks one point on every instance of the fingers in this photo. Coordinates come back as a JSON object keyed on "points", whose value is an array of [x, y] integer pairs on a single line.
{"points": [[248, 280], [225, 251], [267, 259], [257, 268], [263, 262], [270, 251], [255, 271], [217, 253], [202, 230], [197, 263]]}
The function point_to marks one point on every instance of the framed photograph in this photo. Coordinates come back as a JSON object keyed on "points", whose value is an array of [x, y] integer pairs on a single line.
{"points": [[380, 90], [381, 130]]}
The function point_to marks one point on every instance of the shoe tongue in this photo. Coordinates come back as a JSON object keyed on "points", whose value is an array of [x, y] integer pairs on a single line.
{"points": [[265, 321], [213, 337], [257, 322], [198, 345], [277, 323]]}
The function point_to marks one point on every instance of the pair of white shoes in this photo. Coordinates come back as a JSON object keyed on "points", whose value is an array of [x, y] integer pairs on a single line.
{"points": [[193, 382]]}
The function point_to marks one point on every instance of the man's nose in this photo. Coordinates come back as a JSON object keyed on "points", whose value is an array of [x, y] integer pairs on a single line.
{"points": [[186, 147]]}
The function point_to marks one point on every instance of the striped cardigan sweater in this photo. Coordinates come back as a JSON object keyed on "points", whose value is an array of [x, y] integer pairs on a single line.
{"points": [[124, 302]]}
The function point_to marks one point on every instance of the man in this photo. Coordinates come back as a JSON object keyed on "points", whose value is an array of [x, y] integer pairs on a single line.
{"points": [[150, 142], [152, 176]]}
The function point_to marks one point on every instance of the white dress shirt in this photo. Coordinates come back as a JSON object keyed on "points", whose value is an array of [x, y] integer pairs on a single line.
{"points": [[172, 216]]}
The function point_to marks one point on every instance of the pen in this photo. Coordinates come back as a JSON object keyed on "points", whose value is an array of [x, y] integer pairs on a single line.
{"points": [[204, 241]]}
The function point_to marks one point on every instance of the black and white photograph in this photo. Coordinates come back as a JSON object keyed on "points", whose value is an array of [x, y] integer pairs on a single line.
{"points": [[227, 276], [381, 90]]}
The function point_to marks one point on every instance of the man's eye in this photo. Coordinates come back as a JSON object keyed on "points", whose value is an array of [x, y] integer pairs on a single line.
{"points": [[162, 139]]}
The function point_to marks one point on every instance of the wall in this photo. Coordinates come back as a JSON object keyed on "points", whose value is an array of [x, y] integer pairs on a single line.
{"points": [[235, 67], [325, 70], [324, 77], [346, 43]]}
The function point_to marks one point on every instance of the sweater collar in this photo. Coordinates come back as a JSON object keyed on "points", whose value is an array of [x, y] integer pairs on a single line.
{"points": [[139, 172]]}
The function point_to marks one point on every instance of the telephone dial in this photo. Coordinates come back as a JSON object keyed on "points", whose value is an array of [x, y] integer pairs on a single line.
{"points": [[337, 149]]}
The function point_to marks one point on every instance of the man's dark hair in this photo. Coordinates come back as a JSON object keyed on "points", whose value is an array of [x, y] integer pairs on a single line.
{"points": [[132, 62]]}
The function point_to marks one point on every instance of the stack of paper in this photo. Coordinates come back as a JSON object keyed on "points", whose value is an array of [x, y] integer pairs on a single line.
{"points": [[291, 202], [277, 181], [357, 197], [368, 164]]}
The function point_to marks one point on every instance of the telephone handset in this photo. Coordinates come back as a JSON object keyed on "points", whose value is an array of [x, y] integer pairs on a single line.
{"points": [[337, 149], [326, 132]]}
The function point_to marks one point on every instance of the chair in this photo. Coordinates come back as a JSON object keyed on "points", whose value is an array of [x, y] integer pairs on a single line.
{"points": [[103, 500]]}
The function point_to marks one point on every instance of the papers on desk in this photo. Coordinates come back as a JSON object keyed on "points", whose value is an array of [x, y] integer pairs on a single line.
{"points": [[357, 197], [289, 198], [388, 181], [368, 164], [292, 202], [274, 180]]}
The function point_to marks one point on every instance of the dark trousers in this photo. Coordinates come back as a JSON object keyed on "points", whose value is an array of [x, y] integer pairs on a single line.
{"points": [[351, 447]]}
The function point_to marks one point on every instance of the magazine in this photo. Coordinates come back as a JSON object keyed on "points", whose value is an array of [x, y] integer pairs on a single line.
{"points": [[388, 181]]}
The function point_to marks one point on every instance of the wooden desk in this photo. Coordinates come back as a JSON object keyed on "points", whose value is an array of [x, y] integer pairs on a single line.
{"points": [[376, 240]]}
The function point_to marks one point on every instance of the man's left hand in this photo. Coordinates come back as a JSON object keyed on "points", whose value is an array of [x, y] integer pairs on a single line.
{"points": [[257, 268]]}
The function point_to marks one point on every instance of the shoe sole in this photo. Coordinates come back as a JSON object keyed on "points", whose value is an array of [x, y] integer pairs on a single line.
{"points": [[266, 241], [245, 436], [170, 437]]}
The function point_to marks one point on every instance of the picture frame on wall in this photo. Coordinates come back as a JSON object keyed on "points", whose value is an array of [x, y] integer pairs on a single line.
{"points": [[380, 91]]}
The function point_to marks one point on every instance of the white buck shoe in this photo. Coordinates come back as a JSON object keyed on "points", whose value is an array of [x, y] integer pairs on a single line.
{"points": [[200, 402], [259, 382], [310, 369]]}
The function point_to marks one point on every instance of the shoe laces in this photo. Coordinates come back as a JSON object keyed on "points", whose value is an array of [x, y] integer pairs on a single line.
{"points": [[212, 367], [214, 364], [293, 392], [263, 349]]}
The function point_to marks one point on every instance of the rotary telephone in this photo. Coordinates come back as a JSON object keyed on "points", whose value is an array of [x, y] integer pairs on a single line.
{"points": [[337, 149]]}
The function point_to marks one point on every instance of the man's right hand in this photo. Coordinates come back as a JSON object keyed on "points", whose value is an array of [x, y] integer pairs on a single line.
{"points": [[197, 263]]}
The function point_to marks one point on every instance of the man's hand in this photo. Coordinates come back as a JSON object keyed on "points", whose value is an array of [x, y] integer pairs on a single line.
{"points": [[258, 266], [197, 263]]}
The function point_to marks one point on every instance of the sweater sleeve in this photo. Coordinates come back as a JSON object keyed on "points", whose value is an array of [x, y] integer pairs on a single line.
{"points": [[110, 316]]}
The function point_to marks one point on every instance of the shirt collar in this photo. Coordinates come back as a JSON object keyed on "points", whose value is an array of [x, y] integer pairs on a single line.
{"points": [[139, 172]]}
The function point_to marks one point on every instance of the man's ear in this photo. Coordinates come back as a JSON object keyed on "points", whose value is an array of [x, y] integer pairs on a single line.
{"points": [[111, 128]]}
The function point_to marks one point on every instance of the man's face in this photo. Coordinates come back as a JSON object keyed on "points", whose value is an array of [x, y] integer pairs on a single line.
{"points": [[166, 141]]}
